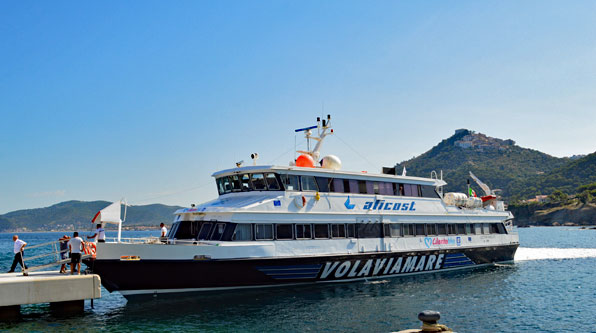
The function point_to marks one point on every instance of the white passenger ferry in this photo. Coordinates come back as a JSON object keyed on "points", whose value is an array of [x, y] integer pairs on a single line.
{"points": [[311, 222]]}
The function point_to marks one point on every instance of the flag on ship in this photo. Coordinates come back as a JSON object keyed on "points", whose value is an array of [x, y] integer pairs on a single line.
{"points": [[471, 193]]}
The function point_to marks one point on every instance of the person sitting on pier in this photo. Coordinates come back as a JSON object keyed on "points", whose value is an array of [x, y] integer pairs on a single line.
{"points": [[19, 245], [63, 251], [99, 235], [75, 244]]}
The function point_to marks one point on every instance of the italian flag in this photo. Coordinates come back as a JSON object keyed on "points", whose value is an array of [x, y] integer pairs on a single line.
{"points": [[472, 192]]}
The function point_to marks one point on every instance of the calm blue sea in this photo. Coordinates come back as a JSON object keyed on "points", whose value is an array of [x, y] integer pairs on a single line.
{"points": [[551, 287]]}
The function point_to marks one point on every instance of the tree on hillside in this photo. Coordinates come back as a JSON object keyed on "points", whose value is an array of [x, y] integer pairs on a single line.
{"points": [[558, 196], [585, 197]]}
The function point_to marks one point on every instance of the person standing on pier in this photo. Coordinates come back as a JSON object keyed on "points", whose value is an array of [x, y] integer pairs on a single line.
{"points": [[75, 244], [63, 251], [19, 245]]}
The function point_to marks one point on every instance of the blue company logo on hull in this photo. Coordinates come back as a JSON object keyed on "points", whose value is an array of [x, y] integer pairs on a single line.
{"points": [[348, 205], [382, 205]]}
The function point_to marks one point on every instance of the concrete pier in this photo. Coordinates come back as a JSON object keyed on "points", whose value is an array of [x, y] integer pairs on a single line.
{"points": [[65, 293]]}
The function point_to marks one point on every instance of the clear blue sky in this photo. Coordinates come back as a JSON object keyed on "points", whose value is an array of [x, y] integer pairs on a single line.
{"points": [[144, 100]]}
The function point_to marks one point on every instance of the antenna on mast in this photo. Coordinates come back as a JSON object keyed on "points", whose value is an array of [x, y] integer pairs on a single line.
{"points": [[322, 127]]}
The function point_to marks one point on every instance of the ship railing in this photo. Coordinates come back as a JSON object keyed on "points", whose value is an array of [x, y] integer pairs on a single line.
{"points": [[51, 256], [191, 242], [137, 240], [160, 240]]}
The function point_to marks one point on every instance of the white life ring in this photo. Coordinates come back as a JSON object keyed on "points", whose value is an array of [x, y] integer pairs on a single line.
{"points": [[300, 201]]}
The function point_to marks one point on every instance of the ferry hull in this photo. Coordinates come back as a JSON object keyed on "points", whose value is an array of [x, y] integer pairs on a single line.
{"points": [[132, 277]]}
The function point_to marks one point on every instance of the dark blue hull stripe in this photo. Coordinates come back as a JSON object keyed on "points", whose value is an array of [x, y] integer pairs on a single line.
{"points": [[291, 271]]}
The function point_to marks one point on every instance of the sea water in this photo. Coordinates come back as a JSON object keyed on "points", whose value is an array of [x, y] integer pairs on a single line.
{"points": [[551, 287]]}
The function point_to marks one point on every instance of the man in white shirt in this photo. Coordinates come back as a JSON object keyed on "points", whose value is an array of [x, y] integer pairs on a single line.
{"points": [[19, 245], [99, 235], [164, 230], [75, 244]]}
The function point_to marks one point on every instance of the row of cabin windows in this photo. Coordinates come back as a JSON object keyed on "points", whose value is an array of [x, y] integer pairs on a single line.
{"points": [[227, 231], [275, 182]]}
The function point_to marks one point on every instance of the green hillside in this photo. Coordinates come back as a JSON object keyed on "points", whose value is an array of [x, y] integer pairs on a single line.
{"points": [[78, 214], [566, 178], [498, 163]]}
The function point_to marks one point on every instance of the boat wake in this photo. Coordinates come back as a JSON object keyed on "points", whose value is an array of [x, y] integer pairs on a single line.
{"points": [[527, 253]]}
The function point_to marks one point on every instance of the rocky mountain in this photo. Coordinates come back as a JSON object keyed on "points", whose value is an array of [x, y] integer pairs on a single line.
{"points": [[71, 215]]}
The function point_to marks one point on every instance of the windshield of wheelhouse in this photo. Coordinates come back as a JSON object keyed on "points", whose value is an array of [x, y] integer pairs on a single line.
{"points": [[246, 182]]}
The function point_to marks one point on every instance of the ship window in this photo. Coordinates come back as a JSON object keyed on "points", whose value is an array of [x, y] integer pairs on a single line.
{"points": [[243, 232], [323, 183], [386, 230], [338, 230], [411, 190], [431, 229], [272, 182], [469, 228], [263, 231], [227, 185], [420, 230], [321, 231], [461, 229], [442, 228], [284, 231], [173, 230], [477, 228], [353, 185], [236, 187], [245, 182], [350, 186], [370, 230], [485, 228], [291, 182], [451, 229], [399, 189], [184, 230], [303, 231], [493, 228], [501, 228], [337, 185], [351, 230], [429, 191], [308, 183], [392, 230], [385, 188], [395, 230], [408, 229], [205, 230], [220, 187], [372, 187], [224, 185], [258, 182], [362, 187], [218, 231], [229, 232]]}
